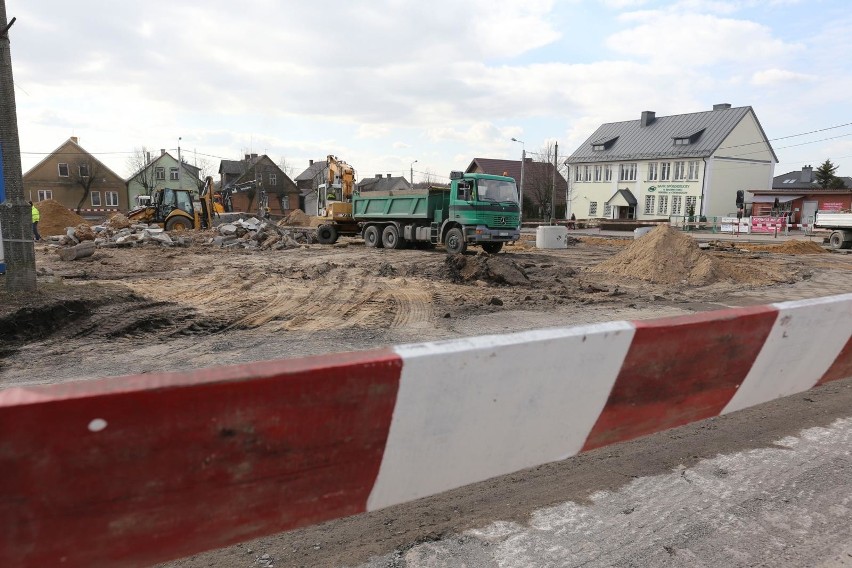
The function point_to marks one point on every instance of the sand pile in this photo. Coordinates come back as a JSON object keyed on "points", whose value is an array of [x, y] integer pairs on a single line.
{"points": [[118, 222], [668, 256], [792, 246], [662, 256], [296, 218], [55, 218]]}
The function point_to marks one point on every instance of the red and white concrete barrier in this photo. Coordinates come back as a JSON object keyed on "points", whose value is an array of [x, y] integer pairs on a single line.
{"points": [[135, 470]]}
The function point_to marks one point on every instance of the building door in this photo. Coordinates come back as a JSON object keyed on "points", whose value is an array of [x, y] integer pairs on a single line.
{"points": [[809, 209]]}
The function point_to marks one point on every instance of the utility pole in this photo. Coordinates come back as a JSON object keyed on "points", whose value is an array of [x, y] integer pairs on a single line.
{"points": [[15, 212], [411, 173], [553, 189], [521, 188]]}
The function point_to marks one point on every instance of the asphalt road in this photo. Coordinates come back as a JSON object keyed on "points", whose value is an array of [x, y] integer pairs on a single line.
{"points": [[767, 486]]}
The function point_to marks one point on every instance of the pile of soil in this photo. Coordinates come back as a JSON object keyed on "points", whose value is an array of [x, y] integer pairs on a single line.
{"points": [[296, 218], [599, 241], [55, 218], [118, 222], [790, 247], [493, 269], [662, 256]]}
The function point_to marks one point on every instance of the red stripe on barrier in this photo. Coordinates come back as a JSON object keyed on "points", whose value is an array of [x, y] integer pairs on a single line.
{"points": [[189, 462], [842, 366], [679, 370]]}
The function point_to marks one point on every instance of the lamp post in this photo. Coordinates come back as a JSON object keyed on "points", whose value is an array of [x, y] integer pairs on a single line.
{"points": [[521, 187], [411, 173]]}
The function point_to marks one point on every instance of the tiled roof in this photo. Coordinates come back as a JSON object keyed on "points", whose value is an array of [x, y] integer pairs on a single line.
{"points": [[793, 180]]}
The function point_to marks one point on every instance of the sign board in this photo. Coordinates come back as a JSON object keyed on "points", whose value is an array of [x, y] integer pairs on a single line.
{"points": [[831, 206], [675, 188], [729, 225], [768, 224]]}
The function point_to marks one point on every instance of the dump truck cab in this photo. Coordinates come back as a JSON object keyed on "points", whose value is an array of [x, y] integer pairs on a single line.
{"points": [[484, 210]]}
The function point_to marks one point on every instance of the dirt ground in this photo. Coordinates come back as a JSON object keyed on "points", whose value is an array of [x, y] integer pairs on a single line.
{"points": [[148, 308]]}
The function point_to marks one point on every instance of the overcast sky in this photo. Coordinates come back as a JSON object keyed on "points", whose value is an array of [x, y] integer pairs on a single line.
{"points": [[382, 83]]}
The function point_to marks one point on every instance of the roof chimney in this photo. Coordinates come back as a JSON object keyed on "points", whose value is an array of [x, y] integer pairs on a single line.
{"points": [[310, 163], [74, 140], [722, 106], [254, 155], [389, 176], [162, 151], [248, 157], [648, 118], [807, 174], [378, 176]]}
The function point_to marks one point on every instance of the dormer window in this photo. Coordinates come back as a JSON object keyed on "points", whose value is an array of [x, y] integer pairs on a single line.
{"points": [[687, 138], [603, 144]]}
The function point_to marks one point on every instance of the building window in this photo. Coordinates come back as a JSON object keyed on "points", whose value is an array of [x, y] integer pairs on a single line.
{"points": [[593, 208], [160, 173], [691, 202], [649, 205], [63, 170], [608, 172], [598, 173], [663, 207], [598, 147], [652, 171], [607, 211], [111, 198], [273, 179], [173, 174], [577, 173], [45, 194], [628, 172], [96, 198], [84, 170], [665, 171], [285, 203], [693, 170], [677, 204], [681, 141], [679, 171], [587, 173]]}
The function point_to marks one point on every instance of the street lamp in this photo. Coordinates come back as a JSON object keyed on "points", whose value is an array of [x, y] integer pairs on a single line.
{"points": [[521, 187], [412, 172]]}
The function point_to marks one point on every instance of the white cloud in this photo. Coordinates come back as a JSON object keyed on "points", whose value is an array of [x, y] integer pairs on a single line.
{"points": [[697, 40], [779, 77]]}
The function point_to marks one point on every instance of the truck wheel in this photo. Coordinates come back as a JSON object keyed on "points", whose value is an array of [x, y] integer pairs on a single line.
{"points": [[372, 238], [492, 248], [326, 234], [455, 242], [178, 223], [836, 240], [390, 237]]}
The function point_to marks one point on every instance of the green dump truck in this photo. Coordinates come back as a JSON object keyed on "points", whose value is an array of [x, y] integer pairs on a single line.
{"points": [[477, 209]]}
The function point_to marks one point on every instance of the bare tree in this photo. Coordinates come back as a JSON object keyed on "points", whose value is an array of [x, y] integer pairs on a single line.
{"points": [[138, 163], [86, 173], [286, 167], [539, 179]]}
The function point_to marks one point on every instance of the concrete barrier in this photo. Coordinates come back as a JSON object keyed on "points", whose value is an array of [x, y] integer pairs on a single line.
{"points": [[136, 470]]}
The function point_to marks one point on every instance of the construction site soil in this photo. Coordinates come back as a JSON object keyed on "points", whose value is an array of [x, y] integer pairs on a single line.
{"points": [[149, 308]]}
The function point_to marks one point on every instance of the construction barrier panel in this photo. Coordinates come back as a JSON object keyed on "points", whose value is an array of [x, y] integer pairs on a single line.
{"points": [[136, 470]]}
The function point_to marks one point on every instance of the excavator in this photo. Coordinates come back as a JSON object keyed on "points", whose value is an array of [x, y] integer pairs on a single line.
{"points": [[176, 210], [334, 198]]}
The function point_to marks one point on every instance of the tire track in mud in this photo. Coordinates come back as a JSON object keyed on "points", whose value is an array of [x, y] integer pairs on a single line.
{"points": [[413, 307]]}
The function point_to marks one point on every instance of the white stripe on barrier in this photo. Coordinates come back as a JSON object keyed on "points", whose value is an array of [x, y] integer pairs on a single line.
{"points": [[780, 370], [462, 403]]}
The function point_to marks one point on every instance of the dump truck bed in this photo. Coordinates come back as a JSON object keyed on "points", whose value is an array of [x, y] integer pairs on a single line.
{"points": [[408, 204]]}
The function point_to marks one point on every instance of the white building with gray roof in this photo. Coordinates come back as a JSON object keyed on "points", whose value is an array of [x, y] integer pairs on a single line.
{"points": [[660, 167]]}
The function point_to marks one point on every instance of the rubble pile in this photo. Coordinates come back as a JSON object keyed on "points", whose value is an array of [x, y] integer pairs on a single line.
{"points": [[117, 232], [264, 235]]}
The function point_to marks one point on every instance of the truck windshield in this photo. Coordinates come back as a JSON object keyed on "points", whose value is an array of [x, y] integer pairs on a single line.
{"points": [[497, 190]]}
